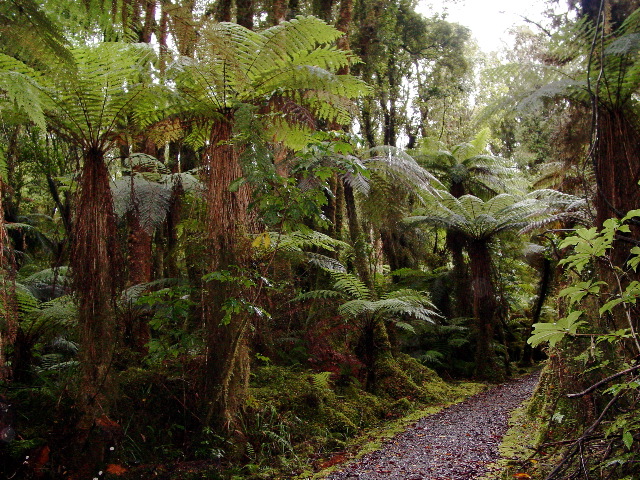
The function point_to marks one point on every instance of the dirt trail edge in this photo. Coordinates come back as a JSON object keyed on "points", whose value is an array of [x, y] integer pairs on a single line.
{"points": [[455, 444]]}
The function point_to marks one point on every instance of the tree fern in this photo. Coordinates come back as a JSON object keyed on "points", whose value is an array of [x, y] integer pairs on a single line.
{"points": [[148, 201], [293, 61]]}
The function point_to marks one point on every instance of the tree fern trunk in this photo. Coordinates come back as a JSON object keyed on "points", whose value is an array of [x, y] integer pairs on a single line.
{"points": [[96, 278], [227, 344], [245, 13], [484, 307], [617, 166], [462, 284], [322, 9], [223, 11]]}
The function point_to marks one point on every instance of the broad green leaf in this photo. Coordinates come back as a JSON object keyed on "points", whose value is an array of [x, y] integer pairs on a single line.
{"points": [[554, 332]]}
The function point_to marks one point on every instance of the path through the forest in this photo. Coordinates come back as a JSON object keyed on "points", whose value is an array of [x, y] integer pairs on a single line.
{"points": [[457, 443]]}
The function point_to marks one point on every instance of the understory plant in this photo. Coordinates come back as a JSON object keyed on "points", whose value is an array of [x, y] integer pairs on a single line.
{"points": [[597, 334]]}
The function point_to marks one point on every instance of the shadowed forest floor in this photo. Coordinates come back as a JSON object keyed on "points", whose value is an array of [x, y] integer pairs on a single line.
{"points": [[458, 443]]}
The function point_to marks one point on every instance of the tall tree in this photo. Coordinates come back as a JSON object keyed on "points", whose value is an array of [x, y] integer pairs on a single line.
{"points": [[466, 168], [290, 69], [87, 103], [479, 223]]}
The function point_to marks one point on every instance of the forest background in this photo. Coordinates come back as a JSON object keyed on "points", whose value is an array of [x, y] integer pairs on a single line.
{"points": [[237, 234]]}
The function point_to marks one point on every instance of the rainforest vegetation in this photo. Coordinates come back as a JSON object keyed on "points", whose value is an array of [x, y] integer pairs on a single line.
{"points": [[238, 234]]}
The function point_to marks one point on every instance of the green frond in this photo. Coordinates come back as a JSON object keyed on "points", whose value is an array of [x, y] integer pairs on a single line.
{"points": [[628, 44], [477, 219], [148, 201], [307, 240], [294, 60], [90, 98], [27, 33], [55, 316], [188, 181], [49, 276], [321, 380], [355, 308], [141, 162], [55, 362], [26, 302], [324, 262], [21, 90], [401, 168], [318, 295], [351, 285], [357, 182], [554, 90], [132, 294]]}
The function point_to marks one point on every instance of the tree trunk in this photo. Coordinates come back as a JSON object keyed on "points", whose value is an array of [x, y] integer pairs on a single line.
{"points": [[462, 285], [227, 338], [278, 12], [9, 315], [223, 11], [96, 278], [357, 237], [245, 13], [484, 307], [617, 167], [322, 9], [546, 275], [455, 244]]}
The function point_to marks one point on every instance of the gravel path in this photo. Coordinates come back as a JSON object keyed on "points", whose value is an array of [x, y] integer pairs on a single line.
{"points": [[454, 444]]}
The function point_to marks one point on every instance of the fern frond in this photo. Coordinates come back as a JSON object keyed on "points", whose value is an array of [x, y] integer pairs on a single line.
{"points": [[318, 295], [321, 380], [21, 89], [149, 201], [324, 262], [351, 285], [300, 241], [26, 302]]}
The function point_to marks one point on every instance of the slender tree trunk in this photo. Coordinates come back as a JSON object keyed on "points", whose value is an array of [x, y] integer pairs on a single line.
{"points": [[7, 298], [149, 24], [227, 337], [546, 276], [484, 307], [294, 9], [357, 237]]}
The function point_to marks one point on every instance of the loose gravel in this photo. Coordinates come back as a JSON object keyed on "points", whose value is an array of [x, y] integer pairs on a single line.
{"points": [[457, 443]]}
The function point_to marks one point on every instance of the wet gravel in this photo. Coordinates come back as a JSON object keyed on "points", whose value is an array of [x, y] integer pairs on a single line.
{"points": [[455, 444]]}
